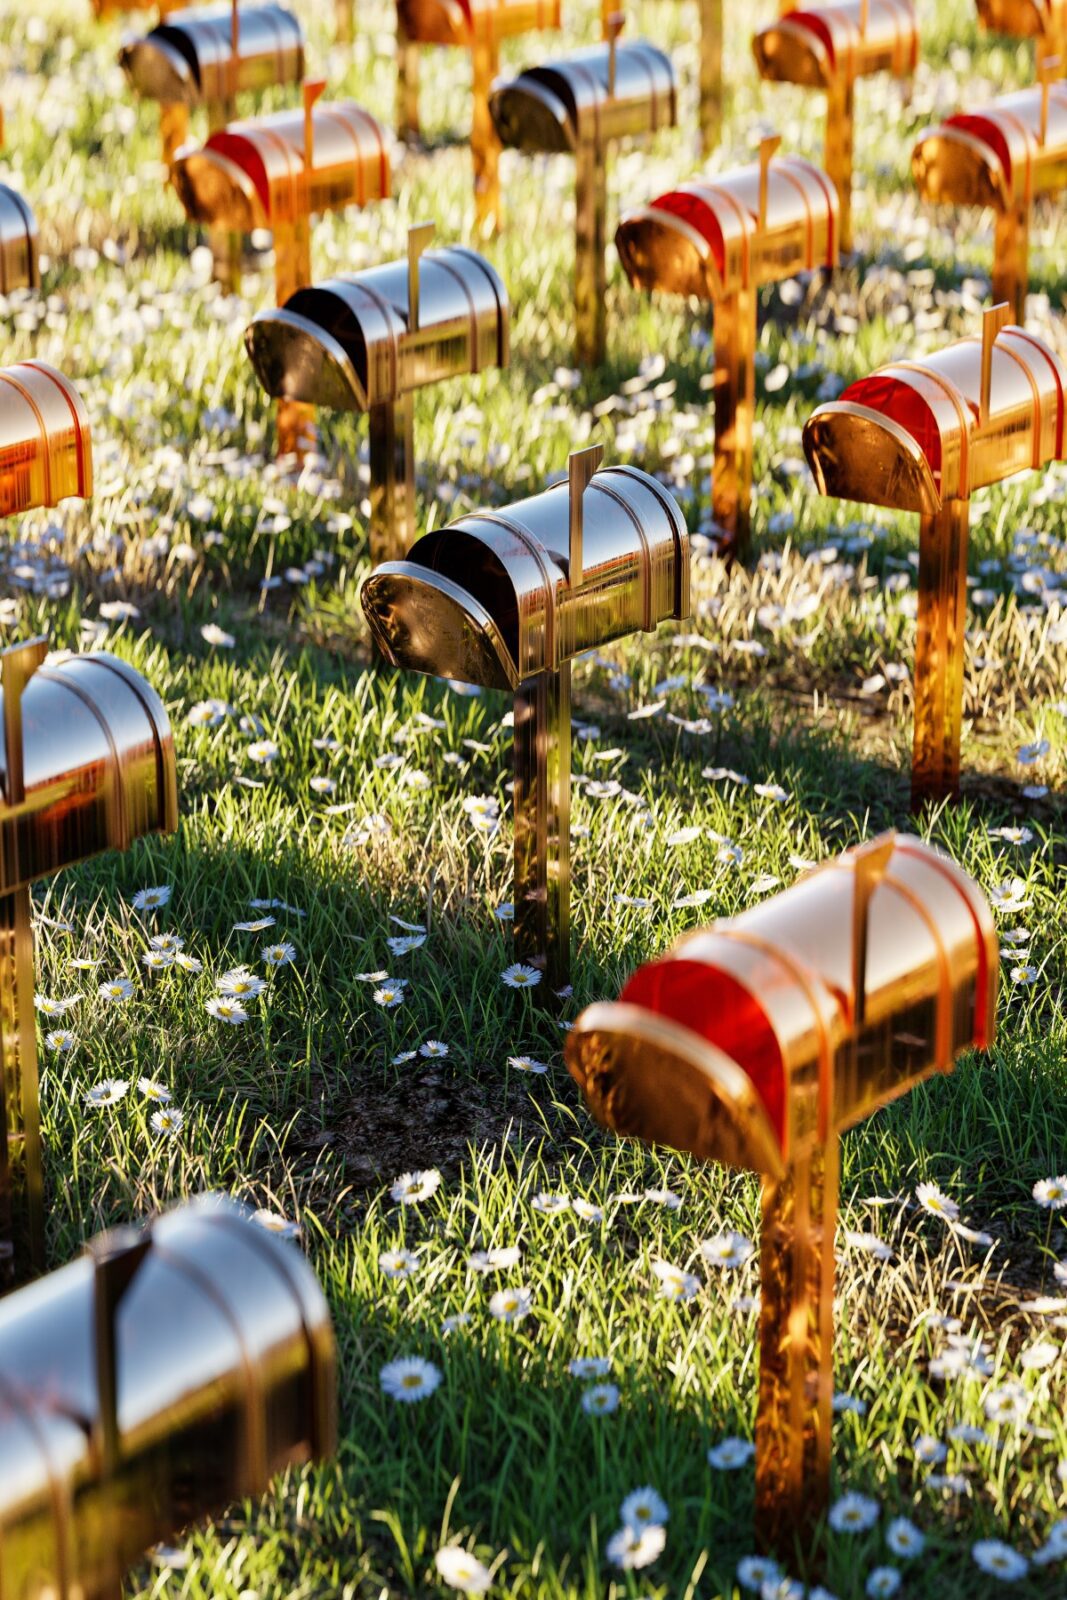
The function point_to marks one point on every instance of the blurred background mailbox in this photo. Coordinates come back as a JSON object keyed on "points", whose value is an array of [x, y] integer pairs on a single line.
{"points": [[87, 765], [755, 1043], [18, 243], [1003, 157], [718, 241], [922, 436], [477, 26], [169, 1372], [581, 104], [506, 599], [1042, 20], [828, 47], [368, 341]]}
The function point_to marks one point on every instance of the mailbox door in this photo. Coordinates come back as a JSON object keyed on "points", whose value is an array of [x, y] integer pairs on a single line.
{"points": [[45, 445], [996, 157], [18, 243], [815, 45]]}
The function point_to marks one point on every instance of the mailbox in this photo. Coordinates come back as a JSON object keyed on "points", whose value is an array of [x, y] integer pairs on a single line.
{"points": [[580, 104], [1002, 157], [828, 47], [477, 26], [367, 341], [754, 1043], [1043, 20], [506, 599], [18, 243], [167, 1373], [45, 446], [922, 436], [719, 241]]}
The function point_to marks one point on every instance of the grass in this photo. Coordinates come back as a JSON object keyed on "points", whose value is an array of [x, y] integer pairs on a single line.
{"points": [[302, 1108]]}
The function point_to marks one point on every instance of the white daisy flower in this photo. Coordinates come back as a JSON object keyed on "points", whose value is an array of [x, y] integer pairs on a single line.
{"points": [[674, 1284], [157, 960], [278, 955], [731, 1454], [586, 1211], [527, 1064], [511, 1305], [433, 1050], [53, 1008], [853, 1513], [589, 1366], [151, 899], [168, 1121], [240, 984], [226, 1010], [154, 1091], [398, 1264], [551, 1204], [166, 941], [644, 1508], [630, 1550], [107, 1093], [500, 1259], [727, 1250], [600, 1400], [904, 1538], [754, 1571], [116, 989], [389, 996], [1051, 1193], [274, 1222], [999, 1560], [409, 1378], [188, 963], [61, 1040], [931, 1199], [264, 751], [520, 976], [881, 1583], [462, 1571], [411, 1187], [663, 1197]]}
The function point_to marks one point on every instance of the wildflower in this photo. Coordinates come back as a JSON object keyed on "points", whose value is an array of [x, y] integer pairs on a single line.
{"points": [[188, 963], [674, 1284], [157, 960], [409, 1378], [882, 1582], [600, 1400], [1051, 1193], [278, 955], [481, 806], [166, 941], [411, 1187], [589, 1366], [389, 995], [930, 1452], [754, 1571], [500, 1259], [154, 1091], [849, 1403], [168, 1121], [116, 989], [433, 1050], [406, 943], [404, 1056], [322, 785], [151, 899], [84, 963], [931, 1199], [904, 1538], [460, 1320], [263, 751], [61, 1040], [727, 1250], [551, 1204], [226, 1010], [1024, 976], [731, 1454], [511, 1305], [462, 1571], [630, 1549], [853, 1513], [527, 1064], [1009, 896], [782, 1589], [870, 1244], [643, 1508], [212, 634], [259, 925], [274, 1222], [1007, 1404], [664, 1197], [966, 1433], [53, 1008], [1038, 1357], [999, 1560], [520, 976], [107, 1093], [240, 984]]}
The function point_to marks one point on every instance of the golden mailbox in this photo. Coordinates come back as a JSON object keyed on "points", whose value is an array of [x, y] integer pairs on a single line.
{"points": [[922, 436], [1026, 19], [164, 1375], [190, 58], [459, 22], [580, 104], [1003, 157], [719, 240], [754, 1043], [45, 446], [828, 47], [18, 243]]}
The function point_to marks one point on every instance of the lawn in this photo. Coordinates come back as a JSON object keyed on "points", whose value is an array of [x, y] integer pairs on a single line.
{"points": [[234, 588]]}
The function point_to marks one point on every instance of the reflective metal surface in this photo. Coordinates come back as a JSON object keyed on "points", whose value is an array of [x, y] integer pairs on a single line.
{"points": [[1004, 157], [212, 53], [18, 243], [366, 341], [506, 599], [922, 436], [711, 89], [828, 47], [45, 448], [581, 103], [719, 241], [1044, 20], [167, 1373], [755, 1043]]}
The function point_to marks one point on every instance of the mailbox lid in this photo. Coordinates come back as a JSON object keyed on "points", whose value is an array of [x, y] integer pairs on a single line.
{"points": [[189, 56], [45, 444], [18, 243], [556, 107], [1022, 19], [459, 22], [996, 157], [814, 45]]}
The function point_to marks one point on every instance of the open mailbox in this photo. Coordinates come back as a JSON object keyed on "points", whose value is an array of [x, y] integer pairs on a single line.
{"points": [[367, 341], [506, 599], [922, 436], [754, 1043], [828, 47], [478, 26], [167, 1373], [719, 241], [579, 105], [18, 243], [1003, 157]]}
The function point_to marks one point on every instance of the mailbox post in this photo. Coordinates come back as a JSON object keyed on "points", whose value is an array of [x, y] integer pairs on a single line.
{"points": [[1003, 157], [828, 47], [367, 341], [167, 1373], [506, 599], [922, 436], [1042, 20], [755, 1043], [477, 26], [581, 105], [719, 241], [276, 172], [88, 765]]}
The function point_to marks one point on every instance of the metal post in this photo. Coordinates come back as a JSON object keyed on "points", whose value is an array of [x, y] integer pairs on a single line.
{"points": [[392, 480], [939, 653], [735, 415], [840, 111], [407, 87], [796, 1386], [541, 798], [227, 246], [296, 431], [344, 29], [711, 92], [485, 143], [590, 290], [173, 127], [1011, 259]]}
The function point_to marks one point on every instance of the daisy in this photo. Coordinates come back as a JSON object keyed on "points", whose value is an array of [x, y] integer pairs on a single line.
{"points": [[278, 955], [1024, 975], [587, 1211], [168, 1121], [462, 1571], [322, 785], [511, 1305], [731, 1454], [882, 1582], [500, 1259], [60, 1040], [409, 1378], [853, 1513], [389, 996], [398, 1264], [849, 1404], [107, 1093], [240, 984], [782, 1589], [551, 1204], [433, 1049], [53, 1008], [260, 925], [154, 1091], [404, 944], [1051, 1193], [674, 1284], [527, 1064], [1007, 1404], [274, 1222], [481, 805], [226, 1010], [115, 989], [157, 960], [727, 1250], [904, 1538], [930, 1452], [643, 1508], [188, 963], [931, 1199], [263, 751], [663, 1197], [600, 1400], [411, 1187], [870, 1244], [629, 1550], [520, 976], [403, 1056], [166, 941], [754, 1571], [151, 899], [999, 1560], [589, 1366]]}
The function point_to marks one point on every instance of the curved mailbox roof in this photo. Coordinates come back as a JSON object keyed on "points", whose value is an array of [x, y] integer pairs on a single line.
{"points": [[189, 56], [996, 157], [488, 599], [568, 102], [18, 243], [460, 22], [776, 993], [1023, 19], [46, 452], [912, 436], [814, 45], [705, 239]]}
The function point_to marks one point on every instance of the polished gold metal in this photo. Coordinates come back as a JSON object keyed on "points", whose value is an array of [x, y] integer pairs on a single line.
{"points": [[506, 599], [367, 341], [828, 47], [18, 243], [1004, 157], [755, 1043], [711, 87], [581, 104], [922, 436], [720, 240], [1042, 20], [167, 1373]]}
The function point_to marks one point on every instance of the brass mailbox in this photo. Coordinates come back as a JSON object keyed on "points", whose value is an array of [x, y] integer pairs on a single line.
{"points": [[18, 243], [477, 26], [755, 1043], [828, 47], [581, 104], [169, 1372], [45, 446], [366, 341], [922, 436], [1043, 20], [719, 241], [1003, 157], [506, 599]]}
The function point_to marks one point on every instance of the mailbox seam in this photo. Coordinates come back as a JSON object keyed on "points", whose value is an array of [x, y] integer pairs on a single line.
{"points": [[26, 1405], [441, 257], [67, 681], [46, 455]]}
